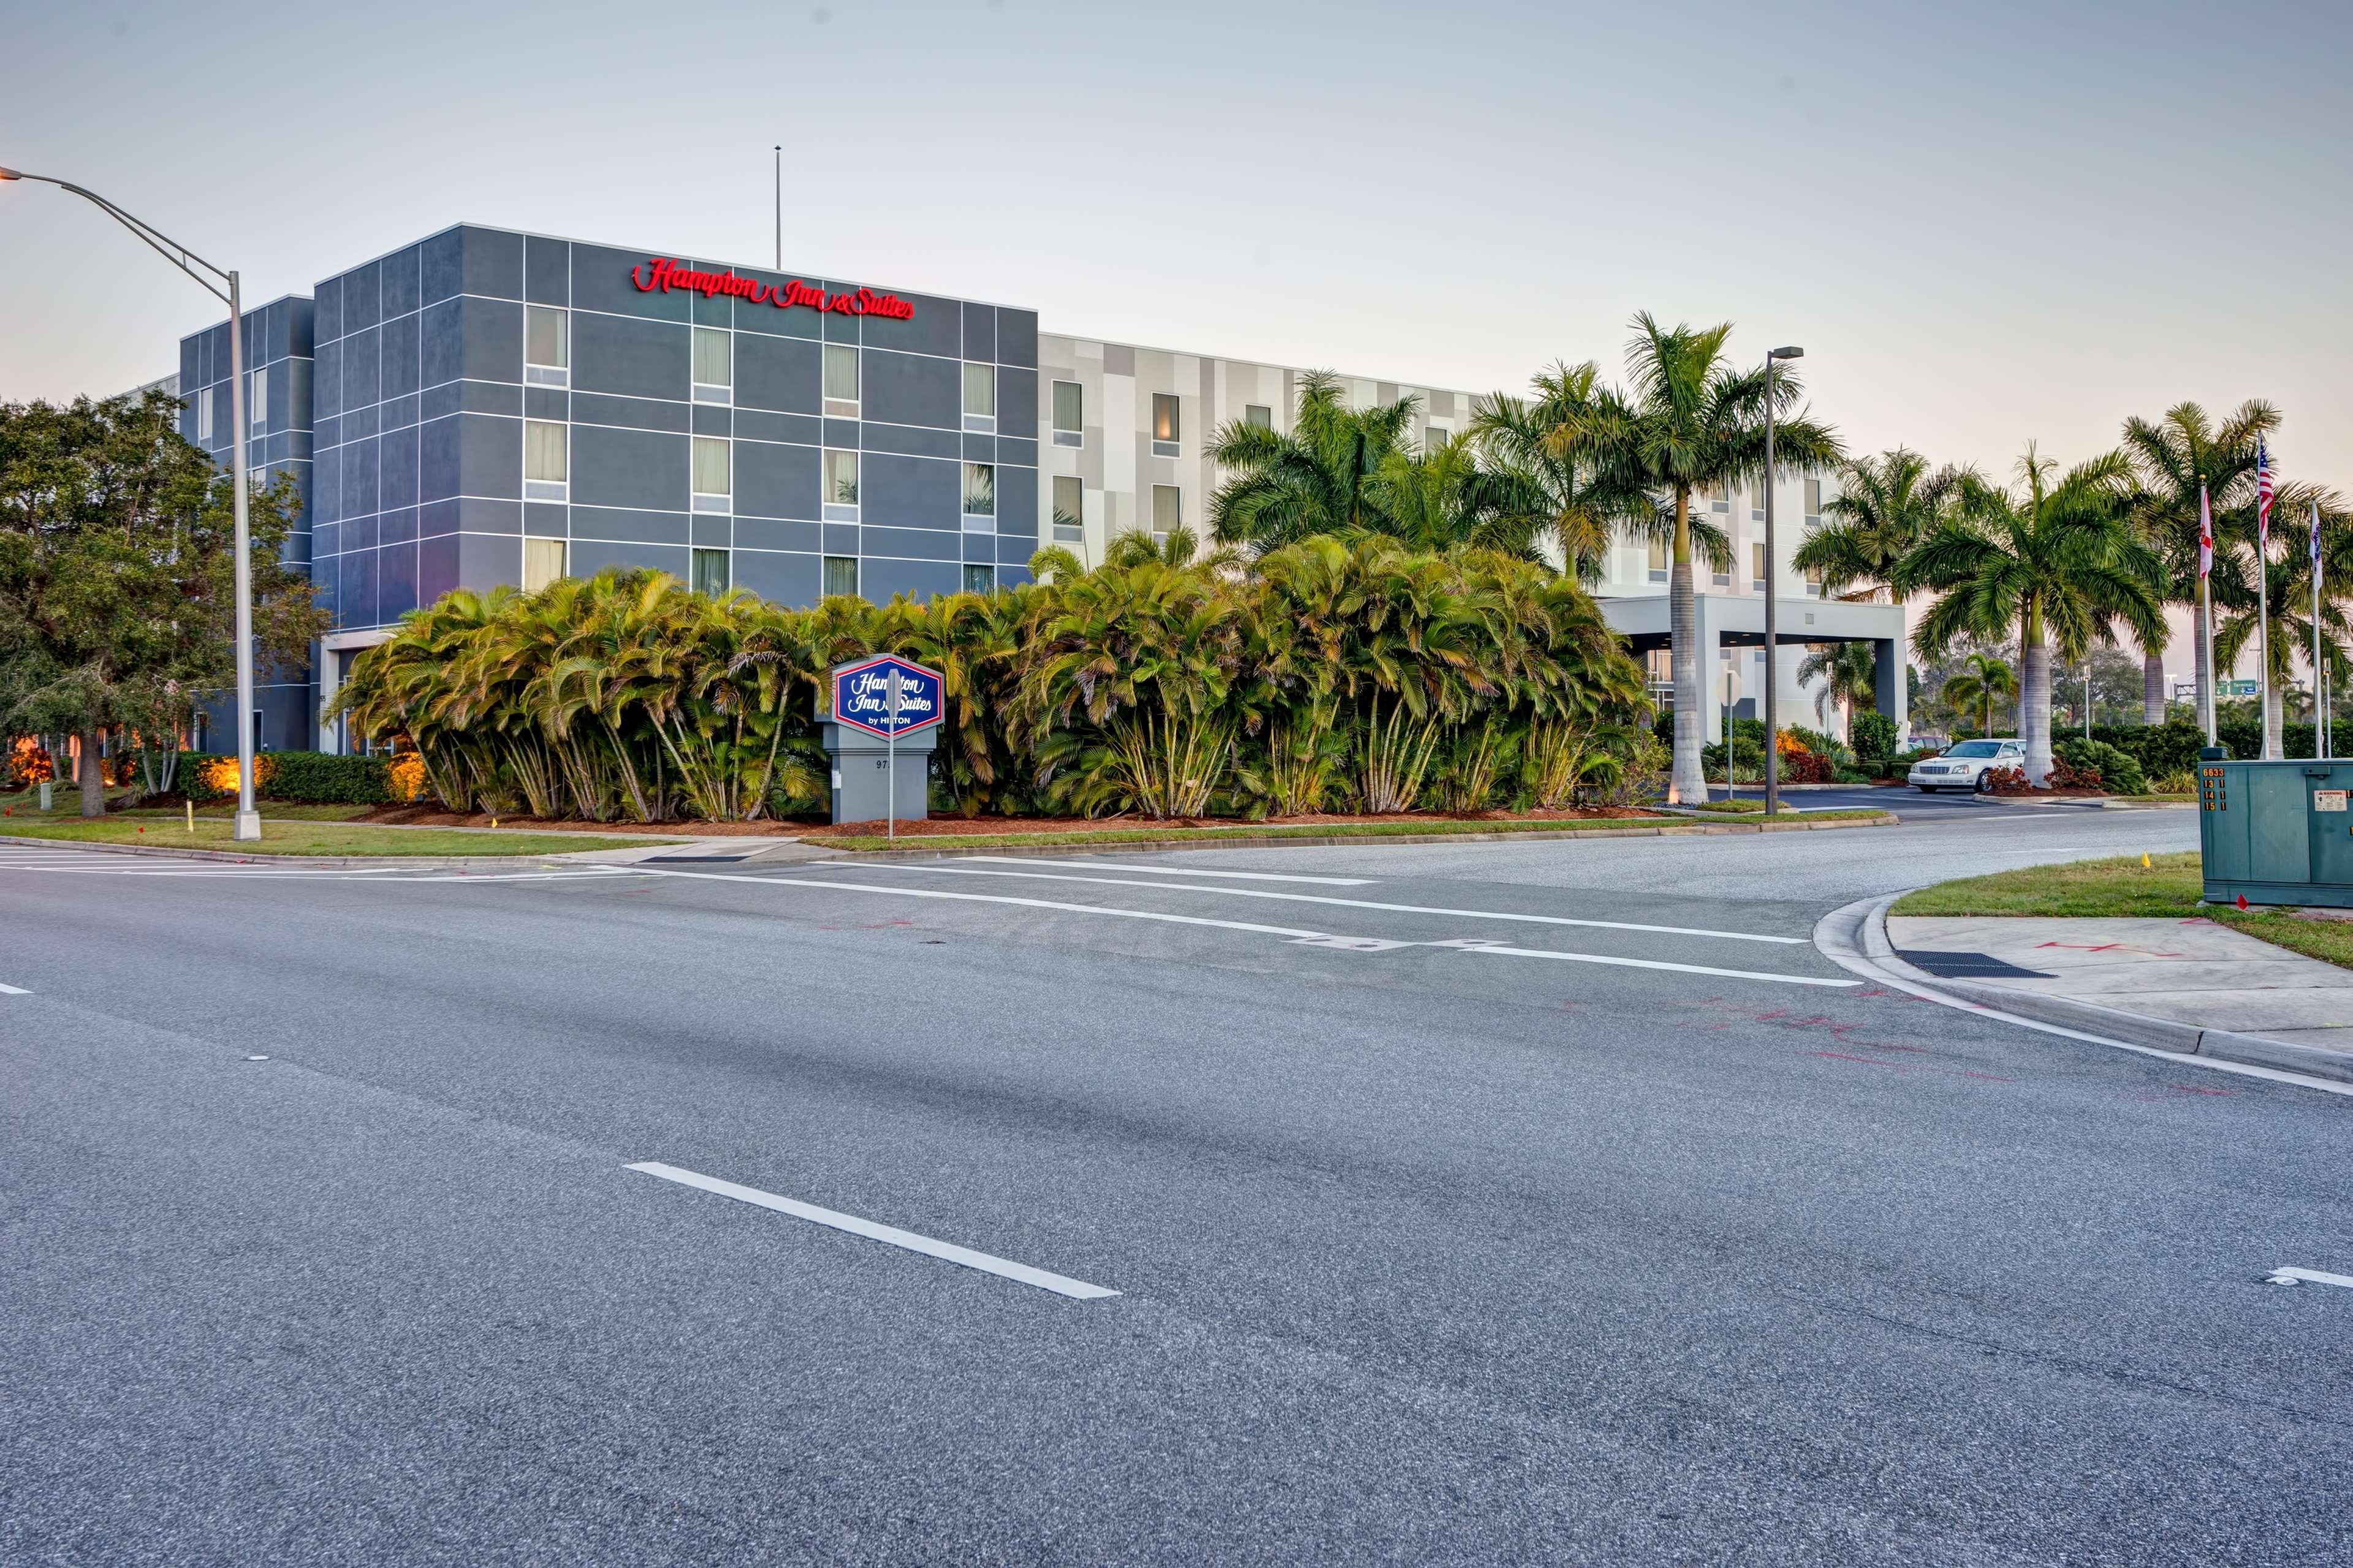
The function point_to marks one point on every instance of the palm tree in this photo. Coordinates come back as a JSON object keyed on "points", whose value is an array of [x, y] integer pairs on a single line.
{"points": [[1885, 506], [1985, 678], [1848, 673], [1441, 500], [1315, 478], [1691, 420], [1548, 500], [2172, 458], [1178, 548], [2057, 558], [2291, 594]]}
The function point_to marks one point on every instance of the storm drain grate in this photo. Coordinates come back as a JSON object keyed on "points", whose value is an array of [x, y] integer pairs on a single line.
{"points": [[1968, 966]]}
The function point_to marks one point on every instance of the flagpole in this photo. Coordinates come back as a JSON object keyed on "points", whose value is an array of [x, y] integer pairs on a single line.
{"points": [[2320, 747], [2206, 607], [2264, 598]]}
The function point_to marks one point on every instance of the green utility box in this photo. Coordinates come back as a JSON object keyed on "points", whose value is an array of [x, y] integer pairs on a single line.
{"points": [[2275, 833]]}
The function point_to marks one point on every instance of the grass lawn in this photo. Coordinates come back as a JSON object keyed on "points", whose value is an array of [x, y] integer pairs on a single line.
{"points": [[1211, 835], [2167, 888], [296, 838]]}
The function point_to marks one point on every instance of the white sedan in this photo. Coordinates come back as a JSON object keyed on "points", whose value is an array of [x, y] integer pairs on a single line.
{"points": [[1966, 765]]}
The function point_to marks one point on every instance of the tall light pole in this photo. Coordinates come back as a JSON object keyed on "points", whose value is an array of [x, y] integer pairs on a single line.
{"points": [[247, 826], [1772, 580]]}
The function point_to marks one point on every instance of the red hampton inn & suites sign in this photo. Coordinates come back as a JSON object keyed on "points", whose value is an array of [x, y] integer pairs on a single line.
{"points": [[664, 274]]}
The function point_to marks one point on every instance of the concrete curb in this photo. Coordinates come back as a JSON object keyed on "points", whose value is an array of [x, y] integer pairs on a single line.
{"points": [[165, 852], [1678, 829], [1855, 938]]}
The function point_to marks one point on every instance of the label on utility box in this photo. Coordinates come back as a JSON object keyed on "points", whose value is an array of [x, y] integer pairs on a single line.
{"points": [[2328, 799]]}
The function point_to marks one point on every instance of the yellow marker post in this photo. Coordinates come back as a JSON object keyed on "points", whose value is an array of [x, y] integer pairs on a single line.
{"points": [[2144, 861], [192, 814]]}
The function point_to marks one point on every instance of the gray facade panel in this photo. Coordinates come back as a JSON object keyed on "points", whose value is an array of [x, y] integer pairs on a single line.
{"points": [[600, 281], [487, 560], [490, 397], [398, 527], [710, 420], [921, 543], [712, 532], [328, 302], [592, 556], [547, 403], [1012, 552], [751, 424], [881, 580], [403, 287], [632, 358], [1011, 450], [910, 440], [363, 299], [634, 468], [440, 347], [436, 566], [545, 518], [793, 579], [443, 265], [546, 270], [363, 358], [1016, 337], [494, 263], [481, 514], [397, 468], [395, 572], [399, 371], [910, 492], [776, 534], [437, 517], [935, 328], [359, 479], [775, 481], [489, 456], [491, 333], [439, 402], [980, 332], [903, 389], [639, 527], [1017, 501], [781, 374], [327, 487], [437, 459], [842, 539], [1016, 403], [634, 413]]}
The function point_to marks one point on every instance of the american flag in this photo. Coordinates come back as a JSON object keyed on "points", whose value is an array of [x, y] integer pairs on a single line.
{"points": [[2205, 536], [2262, 494]]}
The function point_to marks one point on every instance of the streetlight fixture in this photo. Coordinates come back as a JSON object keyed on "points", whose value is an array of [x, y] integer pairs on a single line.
{"points": [[247, 828], [1772, 578]]}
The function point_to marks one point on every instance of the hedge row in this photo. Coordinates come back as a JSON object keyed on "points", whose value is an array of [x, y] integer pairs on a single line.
{"points": [[316, 778], [2172, 747]]}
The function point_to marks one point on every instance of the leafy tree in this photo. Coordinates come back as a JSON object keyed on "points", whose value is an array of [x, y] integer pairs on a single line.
{"points": [[1546, 495], [1849, 674], [1692, 420], [117, 576], [1316, 477], [1983, 679], [1885, 506], [2056, 557], [2172, 457], [2236, 629]]}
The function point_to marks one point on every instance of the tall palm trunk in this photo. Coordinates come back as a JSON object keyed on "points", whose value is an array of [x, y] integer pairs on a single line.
{"points": [[1683, 622], [92, 773], [2152, 688], [2034, 691]]}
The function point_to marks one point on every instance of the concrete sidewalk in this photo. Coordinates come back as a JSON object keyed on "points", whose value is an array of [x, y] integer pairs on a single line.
{"points": [[2179, 984]]}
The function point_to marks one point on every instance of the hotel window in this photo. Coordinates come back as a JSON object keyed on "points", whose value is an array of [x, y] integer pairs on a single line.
{"points": [[542, 562], [1435, 437], [204, 414], [980, 398], [841, 487], [1813, 500], [1258, 415], [1657, 560], [714, 366], [842, 381], [546, 346], [714, 475], [711, 571], [546, 460], [1813, 582], [1070, 413], [1720, 499], [840, 576], [980, 580], [259, 409], [981, 497], [1757, 567], [1757, 501], [1167, 509], [1165, 430], [1070, 509]]}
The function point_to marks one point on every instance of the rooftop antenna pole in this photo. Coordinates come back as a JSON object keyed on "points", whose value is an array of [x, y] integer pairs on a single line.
{"points": [[780, 206]]}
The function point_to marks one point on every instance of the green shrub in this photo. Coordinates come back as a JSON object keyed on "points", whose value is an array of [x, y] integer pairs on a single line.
{"points": [[311, 778], [1874, 735], [2120, 772]]}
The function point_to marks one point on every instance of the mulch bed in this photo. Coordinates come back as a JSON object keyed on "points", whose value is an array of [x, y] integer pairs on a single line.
{"points": [[434, 816]]}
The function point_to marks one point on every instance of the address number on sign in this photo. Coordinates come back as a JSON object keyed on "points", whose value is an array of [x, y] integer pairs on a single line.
{"points": [[2328, 799]]}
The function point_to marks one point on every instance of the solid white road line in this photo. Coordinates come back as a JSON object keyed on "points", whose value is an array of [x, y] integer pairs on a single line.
{"points": [[1185, 871], [1343, 904], [14, 991], [1061, 1284], [2309, 1277], [1655, 964]]}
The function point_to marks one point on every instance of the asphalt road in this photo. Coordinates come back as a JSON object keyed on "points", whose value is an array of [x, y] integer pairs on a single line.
{"points": [[1519, 1203]]}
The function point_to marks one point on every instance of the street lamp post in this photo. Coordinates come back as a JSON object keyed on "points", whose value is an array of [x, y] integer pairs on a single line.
{"points": [[247, 826], [1772, 580]]}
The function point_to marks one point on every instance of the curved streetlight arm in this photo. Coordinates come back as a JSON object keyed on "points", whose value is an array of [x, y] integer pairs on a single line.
{"points": [[170, 250], [246, 827]]}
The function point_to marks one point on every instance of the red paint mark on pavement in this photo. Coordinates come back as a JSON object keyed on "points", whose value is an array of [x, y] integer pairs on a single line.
{"points": [[1911, 1067]]}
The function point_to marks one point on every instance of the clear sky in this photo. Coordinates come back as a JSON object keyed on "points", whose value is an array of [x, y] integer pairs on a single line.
{"points": [[1985, 223]]}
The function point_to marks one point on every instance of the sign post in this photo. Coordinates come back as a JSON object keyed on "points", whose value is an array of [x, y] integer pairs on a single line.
{"points": [[1731, 696], [867, 710]]}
